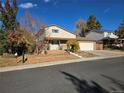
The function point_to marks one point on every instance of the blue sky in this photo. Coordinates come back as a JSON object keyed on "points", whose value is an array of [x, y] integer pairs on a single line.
{"points": [[66, 12]]}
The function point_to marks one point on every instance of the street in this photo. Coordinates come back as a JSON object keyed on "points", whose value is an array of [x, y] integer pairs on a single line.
{"points": [[98, 76]]}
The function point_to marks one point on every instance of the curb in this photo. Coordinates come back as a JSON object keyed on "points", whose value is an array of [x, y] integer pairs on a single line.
{"points": [[45, 64]]}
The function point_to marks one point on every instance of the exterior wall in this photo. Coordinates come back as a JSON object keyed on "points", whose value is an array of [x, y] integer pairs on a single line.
{"points": [[61, 34], [63, 46], [59, 45], [99, 46], [84, 46], [53, 47]]}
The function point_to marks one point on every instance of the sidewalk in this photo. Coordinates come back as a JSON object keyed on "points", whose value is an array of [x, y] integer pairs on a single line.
{"points": [[107, 53], [44, 64]]}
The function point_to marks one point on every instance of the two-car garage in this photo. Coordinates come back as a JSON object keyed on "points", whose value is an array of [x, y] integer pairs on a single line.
{"points": [[86, 46]]}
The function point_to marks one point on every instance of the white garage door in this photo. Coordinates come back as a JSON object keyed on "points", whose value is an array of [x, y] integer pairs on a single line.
{"points": [[86, 46]]}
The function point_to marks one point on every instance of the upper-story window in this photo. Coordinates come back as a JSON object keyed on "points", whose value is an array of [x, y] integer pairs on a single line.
{"points": [[55, 31], [109, 34]]}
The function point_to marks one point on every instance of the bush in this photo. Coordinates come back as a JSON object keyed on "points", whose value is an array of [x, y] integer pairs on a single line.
{"points": [[73, 45]]}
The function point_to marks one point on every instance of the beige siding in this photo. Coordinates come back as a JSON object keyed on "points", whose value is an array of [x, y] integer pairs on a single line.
{"points": [[54, 47], [62, 33]]}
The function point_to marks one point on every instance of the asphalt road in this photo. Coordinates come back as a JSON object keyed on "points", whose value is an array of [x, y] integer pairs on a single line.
{"points": [[99, 76]]}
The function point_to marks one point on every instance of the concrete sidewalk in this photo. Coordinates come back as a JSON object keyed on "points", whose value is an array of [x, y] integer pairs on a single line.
{"points": [[107, 53], [28, 66]]}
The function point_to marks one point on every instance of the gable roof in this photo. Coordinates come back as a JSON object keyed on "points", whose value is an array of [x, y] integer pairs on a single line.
{"points": [[58, 27]]}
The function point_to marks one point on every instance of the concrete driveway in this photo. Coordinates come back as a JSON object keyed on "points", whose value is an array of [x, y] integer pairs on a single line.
{"points": [[107, 53]]}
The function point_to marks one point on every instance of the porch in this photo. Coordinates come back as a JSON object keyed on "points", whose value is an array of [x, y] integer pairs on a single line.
{"points": [[57, 45]]}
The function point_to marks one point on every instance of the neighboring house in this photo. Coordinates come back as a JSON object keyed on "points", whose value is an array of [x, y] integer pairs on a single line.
{"points": [[58, 36], [102, 34], [110, 34], [105, 36]]}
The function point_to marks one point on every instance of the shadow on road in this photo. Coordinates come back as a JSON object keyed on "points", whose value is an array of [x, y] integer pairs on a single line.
{"points": [[82, 86], [118, 83]]}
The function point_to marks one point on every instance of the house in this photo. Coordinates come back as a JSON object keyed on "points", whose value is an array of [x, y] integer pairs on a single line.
{"points": [[105, 36], [58, 36], [102, 34]]}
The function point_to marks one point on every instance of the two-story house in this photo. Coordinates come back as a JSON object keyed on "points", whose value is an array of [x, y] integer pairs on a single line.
{"points": [[58, 36]]}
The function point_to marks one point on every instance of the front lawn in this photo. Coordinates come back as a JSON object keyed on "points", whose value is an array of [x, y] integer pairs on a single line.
{"points": [[34, 58]]}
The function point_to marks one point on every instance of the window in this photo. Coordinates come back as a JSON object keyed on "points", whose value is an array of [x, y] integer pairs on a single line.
{"points": [[55, 31], [54, 42], [109, 34]]}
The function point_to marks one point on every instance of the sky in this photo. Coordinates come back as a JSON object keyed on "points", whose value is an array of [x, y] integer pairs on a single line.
{"points": [[65, 13]]}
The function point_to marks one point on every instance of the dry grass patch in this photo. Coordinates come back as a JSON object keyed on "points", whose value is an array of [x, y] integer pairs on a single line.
{"points": [[7, 62], [34, 58], [51, 56]]}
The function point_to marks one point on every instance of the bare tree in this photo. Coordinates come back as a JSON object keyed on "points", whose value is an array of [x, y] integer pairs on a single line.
{"points": [[36, 26], [81, 28], [31, 23], [42, 40]]}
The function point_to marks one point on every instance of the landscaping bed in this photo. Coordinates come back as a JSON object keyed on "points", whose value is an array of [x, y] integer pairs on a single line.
{"points": [[85, 54]]}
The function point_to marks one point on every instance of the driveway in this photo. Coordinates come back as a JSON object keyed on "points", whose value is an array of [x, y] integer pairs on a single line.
{"points": [[107, 53], [98, 76]]}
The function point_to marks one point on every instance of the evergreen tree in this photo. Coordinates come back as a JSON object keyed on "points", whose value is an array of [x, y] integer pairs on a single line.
{"points": [[92, 23], [9, 24], [3, 42], [120, 30], [98, 25], [8, 15]]}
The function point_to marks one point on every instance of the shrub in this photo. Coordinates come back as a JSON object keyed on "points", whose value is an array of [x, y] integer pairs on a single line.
{"points": [[73, 45]]}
